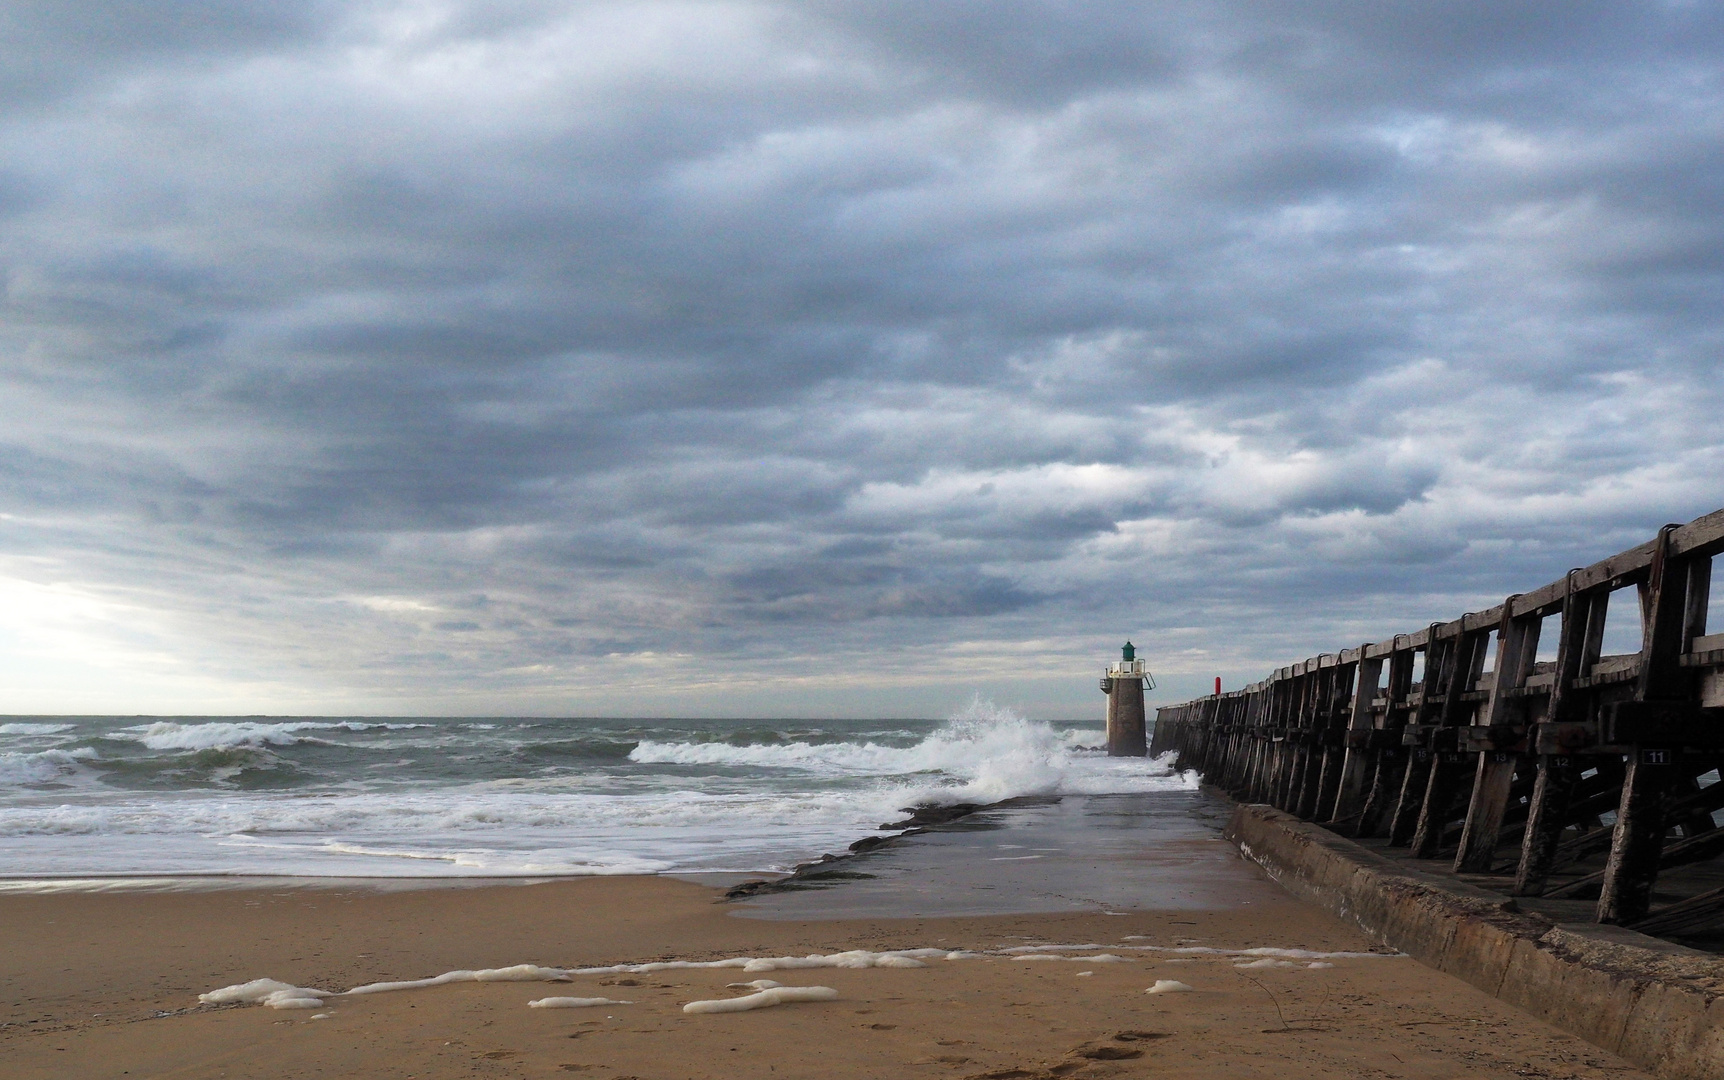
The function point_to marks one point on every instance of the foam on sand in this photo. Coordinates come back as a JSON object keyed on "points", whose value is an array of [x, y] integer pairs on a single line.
{"points": [[1204, 950], [853, 959], [517, 973], [764, 999], [280, 995], [573, 1003], [271, 992], [1098, 958], [1168, 986]]}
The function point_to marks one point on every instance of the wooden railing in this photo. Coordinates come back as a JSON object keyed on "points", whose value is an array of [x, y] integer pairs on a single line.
{"points": [[1413, 740]]}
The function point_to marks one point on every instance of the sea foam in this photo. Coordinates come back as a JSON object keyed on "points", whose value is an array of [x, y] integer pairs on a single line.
{"points": [[1168, 986], [574, 1003], [1205, 950], [281, 995], [763, 999]]}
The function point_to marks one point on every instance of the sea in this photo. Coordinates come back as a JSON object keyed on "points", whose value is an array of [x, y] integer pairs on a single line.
{"points": [[420, 798]]}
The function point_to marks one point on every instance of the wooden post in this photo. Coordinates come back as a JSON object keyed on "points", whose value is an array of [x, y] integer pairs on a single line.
{"points": [[1245, 746], [1261, 745], [1313, 740], [1300, 738], [1578, 645], [1281, 758], [1547, 816], [1332, 723], [1517, 645], [1448, 767], [1492, 779], [1699, 593], [1414, 779], [1392, 759], [1386, 781], [1638, 839], [1358, 761]]}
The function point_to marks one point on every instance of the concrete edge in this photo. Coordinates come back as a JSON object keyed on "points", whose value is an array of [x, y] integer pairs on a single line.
{"points": [[1652, 1003]]}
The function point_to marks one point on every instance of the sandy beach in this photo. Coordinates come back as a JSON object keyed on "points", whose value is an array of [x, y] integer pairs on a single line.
{"points": [[105, 985]]}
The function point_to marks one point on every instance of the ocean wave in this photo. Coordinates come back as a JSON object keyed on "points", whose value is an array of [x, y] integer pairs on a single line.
{"points": [[492, 862], [486, 833], [441, 812], [984, 754], [22, 728], [578, 750], [228, 735], [43, 767]]}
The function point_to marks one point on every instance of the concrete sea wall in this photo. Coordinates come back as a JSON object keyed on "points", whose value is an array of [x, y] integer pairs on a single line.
{"points": [[1659, 1005]]}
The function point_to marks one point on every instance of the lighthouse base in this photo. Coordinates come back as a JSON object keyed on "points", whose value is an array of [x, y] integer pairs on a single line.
{"points": [[1126, 736]]}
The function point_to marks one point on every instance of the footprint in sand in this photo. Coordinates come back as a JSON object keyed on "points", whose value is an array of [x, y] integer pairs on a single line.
{"points": [[1141, 1036], [1106, 1052]]}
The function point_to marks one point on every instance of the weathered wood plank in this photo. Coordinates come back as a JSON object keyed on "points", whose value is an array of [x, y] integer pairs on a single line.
{"points": [[1695, 913]]}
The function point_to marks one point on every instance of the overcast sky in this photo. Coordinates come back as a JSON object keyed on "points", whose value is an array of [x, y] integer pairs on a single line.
{"points": [[828, 358]]}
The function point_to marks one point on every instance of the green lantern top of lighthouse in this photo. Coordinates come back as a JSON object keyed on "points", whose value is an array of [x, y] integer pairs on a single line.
{"points": [[1130, 667]]}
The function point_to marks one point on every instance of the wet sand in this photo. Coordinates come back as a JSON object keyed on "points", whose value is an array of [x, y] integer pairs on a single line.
{"points": [[105, 985]]}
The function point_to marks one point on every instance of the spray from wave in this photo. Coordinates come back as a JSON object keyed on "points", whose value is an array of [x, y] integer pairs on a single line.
{"points": [[985, 753]]}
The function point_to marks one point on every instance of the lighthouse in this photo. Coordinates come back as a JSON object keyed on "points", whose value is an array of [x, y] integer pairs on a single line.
{"points": [[1124, 683]]}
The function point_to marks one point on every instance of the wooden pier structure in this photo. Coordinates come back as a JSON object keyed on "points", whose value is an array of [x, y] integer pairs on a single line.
{"points": [[1572, 783]]}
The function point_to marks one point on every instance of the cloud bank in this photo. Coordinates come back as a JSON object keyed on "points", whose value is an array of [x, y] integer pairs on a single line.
{"points": [[817, 358]]}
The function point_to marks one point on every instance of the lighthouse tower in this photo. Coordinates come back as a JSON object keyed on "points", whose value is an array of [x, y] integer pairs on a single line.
{"points": [[1124, 683]]}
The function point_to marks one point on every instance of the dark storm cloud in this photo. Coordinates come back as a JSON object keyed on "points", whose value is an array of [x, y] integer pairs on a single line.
{"points": [[702, 328]]}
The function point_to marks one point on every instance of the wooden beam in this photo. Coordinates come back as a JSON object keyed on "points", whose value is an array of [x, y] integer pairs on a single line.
{"points": [[1700, 912], [1683, 801]]}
